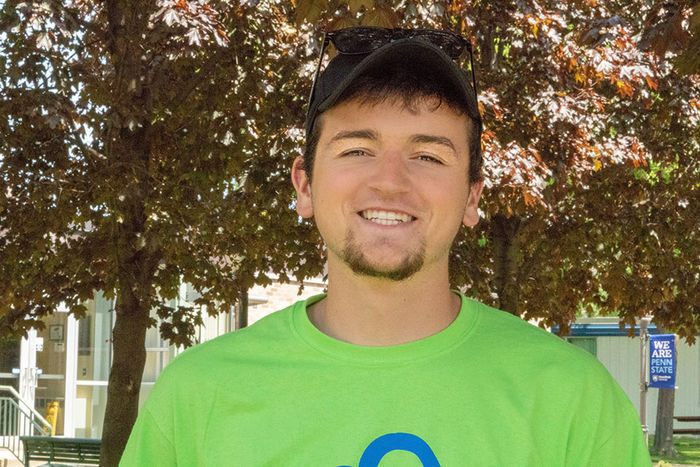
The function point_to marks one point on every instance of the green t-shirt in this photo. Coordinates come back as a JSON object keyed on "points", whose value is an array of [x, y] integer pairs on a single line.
{"points": [[489, 390]]}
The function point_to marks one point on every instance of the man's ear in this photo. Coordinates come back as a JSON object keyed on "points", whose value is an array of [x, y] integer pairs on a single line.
{"points": [[302, 185], [471, 210]]}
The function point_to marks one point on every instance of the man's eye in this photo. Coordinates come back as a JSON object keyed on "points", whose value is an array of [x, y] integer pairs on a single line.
{"points": [[428, 158], [355, 152]]}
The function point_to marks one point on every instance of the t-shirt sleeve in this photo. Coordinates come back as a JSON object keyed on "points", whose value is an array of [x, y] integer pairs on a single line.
{"points": [[607, 430], [153, 438], [148, 444], [624, 448], [171, 426]]}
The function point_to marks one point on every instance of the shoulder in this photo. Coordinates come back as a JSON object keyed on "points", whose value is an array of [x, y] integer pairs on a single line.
{"points": [[508, 326], [543, 365], [222, 361], [533, 348], [271, 332]]}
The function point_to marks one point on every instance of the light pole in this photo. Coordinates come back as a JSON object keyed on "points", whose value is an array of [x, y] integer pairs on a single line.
{"points": [[643, 383]]}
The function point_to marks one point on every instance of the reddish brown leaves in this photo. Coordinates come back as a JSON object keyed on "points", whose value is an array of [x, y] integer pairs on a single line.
{"points": [[190, 25], [652, 82], [518, 172], [667, 28], [623, 89]]}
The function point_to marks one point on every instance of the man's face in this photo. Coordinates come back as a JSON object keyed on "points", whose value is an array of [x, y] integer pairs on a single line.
{"points": [[390, 186]]}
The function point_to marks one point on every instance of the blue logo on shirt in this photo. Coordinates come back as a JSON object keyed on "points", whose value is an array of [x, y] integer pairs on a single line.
{"points": [[385, 444]]}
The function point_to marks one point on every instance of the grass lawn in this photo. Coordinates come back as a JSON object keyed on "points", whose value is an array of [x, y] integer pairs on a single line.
{"points": [[688, 448]]}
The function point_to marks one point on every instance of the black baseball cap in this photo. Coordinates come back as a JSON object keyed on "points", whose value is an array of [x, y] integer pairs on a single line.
{"points": [[410, 53]]}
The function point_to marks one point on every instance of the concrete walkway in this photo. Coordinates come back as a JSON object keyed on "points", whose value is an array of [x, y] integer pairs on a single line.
{"points": [[8, 460]]}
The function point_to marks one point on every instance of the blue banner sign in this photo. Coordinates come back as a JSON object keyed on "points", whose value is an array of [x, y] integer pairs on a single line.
{"points": [[662, 361]]}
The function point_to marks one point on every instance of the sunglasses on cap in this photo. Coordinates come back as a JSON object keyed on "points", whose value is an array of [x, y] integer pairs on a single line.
{"points": [[363, 40]]}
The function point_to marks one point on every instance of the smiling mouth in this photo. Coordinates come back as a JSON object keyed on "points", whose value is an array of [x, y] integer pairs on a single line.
{"points": [[385, 217]]}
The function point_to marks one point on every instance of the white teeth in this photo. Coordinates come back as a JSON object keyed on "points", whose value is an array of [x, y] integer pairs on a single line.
{"points": [[385, 217], [386, 221]]}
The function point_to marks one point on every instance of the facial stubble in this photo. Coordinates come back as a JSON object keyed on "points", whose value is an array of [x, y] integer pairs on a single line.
{"points": [[359, 264]]}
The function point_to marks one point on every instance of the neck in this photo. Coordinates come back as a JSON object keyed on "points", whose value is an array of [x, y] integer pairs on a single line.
{"points": [[378, 312]]}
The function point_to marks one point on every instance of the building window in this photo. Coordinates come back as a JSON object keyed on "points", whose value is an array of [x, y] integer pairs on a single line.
{"points": [[589, 344]]}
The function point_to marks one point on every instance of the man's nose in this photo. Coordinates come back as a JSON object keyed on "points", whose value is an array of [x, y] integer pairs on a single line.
{"points": [[390, 173]]}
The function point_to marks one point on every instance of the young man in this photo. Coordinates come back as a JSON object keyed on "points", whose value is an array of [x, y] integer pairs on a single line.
{"points": [[391, 367]]}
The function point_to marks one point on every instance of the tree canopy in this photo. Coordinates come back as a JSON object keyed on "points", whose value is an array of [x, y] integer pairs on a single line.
{"points": [[146, 143]]}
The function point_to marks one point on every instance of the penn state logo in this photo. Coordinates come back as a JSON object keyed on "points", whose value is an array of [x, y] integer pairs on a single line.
{"points": [[385, 444]]}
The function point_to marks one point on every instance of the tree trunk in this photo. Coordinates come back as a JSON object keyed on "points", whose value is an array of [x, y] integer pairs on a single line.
{"points": [[129, 338], [504, 233], [136, 262], [127, 143], [242, 310], [663, 436]]}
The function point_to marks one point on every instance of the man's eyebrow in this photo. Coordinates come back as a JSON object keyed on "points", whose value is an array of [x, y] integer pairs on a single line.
{"points": [[355, 134], [433, 139]]}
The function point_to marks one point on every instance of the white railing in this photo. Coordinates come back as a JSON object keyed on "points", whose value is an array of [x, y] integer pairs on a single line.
{"points": [[17, 418]]}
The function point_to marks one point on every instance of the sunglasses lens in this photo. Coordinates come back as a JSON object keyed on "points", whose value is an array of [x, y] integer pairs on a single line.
{"points": [[360, 40], [363, 39], [451, 45]]}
